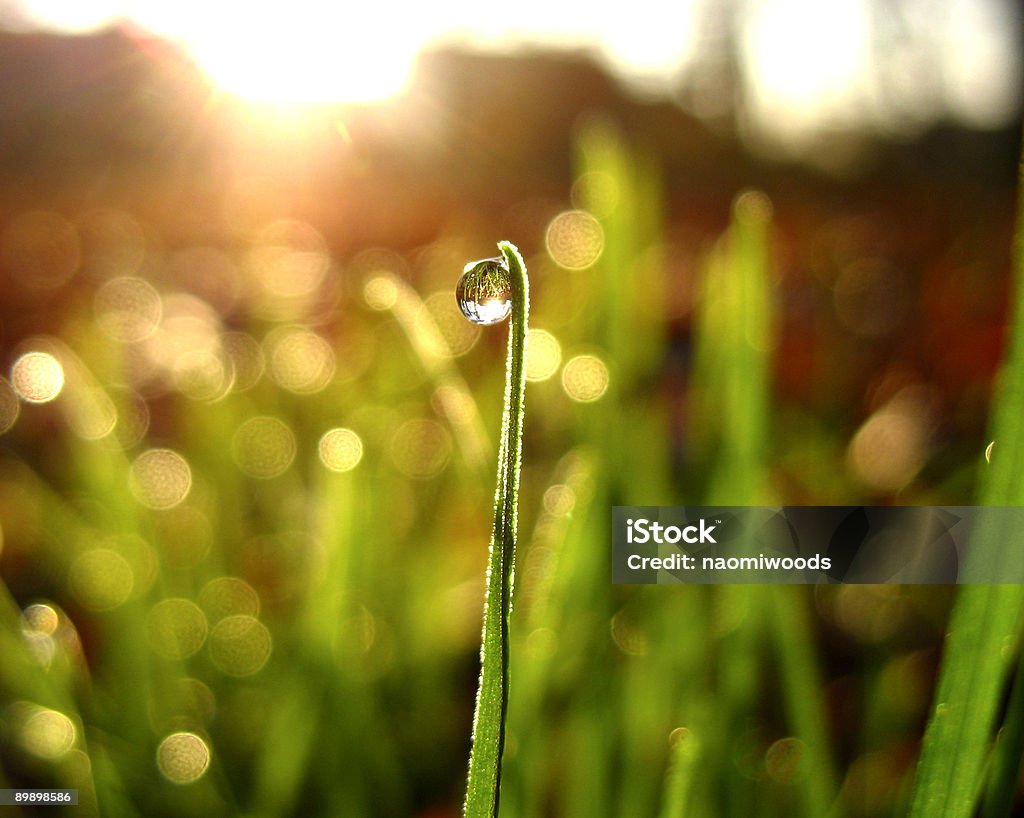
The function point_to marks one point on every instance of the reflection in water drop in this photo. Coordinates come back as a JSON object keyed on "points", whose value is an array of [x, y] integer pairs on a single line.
{"points": [[183, 757], [988, 451], [585, 378], [240, 645], [264, 447], [37, 377], [160, 478], [484, 292], [544, 357], [575, 240], [341, 449]]}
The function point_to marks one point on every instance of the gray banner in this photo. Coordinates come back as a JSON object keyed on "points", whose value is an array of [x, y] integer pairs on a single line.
{"points": [[817, 544]]}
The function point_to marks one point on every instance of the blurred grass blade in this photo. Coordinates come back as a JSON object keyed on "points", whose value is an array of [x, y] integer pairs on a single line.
{"points": [[986, 618], [1009, 752]]}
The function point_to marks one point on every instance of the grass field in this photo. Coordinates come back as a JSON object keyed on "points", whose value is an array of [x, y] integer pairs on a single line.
{"points": [[244, 525]]}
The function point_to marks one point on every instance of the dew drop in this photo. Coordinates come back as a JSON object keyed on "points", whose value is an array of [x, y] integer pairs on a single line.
{"points": [[484, 291]]}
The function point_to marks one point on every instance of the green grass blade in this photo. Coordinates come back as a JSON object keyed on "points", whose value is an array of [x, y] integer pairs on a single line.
{"points": [[492, 697], [985, 619]]}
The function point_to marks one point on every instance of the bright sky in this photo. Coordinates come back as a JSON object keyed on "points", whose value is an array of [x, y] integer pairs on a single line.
{"points": [[809, 60]]}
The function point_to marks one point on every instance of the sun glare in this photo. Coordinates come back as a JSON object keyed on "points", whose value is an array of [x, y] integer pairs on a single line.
{"points": [[294, 53], [298, 58]]}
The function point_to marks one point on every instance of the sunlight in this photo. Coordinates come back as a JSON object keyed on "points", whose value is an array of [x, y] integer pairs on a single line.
{"points": [[295, 53]]}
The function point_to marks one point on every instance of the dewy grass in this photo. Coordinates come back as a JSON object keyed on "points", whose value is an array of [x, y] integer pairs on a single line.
{"points": [[487, 292]]}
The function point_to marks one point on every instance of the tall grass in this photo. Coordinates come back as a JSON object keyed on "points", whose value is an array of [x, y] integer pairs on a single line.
{"points": [[625, 701], [985, 626]]}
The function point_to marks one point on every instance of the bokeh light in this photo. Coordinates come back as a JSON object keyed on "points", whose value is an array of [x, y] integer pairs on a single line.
{"points": [[575, 240], [585, 378], [786, 760], [228, 596], [202, 374], [289, 263], [41, 618], [10, 406], [240, 645], [133, 419], [300, 360], [559, 500], [420, 448], [90, 412], [100, 579], [246, 359], [39, 623], [186, 339], [176, 628], [128, 309], [892, 445], [264, 447], [45, 733], [160, 478], [340, 449], [183, 757], [37, 377], [40, 250], [380, 292], [543, 355]]}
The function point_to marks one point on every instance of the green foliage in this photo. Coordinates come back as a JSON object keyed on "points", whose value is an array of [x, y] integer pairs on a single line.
{"points": [[624, 701]]}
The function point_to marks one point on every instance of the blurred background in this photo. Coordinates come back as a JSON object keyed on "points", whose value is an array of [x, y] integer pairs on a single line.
{"points": [[248, 441]]}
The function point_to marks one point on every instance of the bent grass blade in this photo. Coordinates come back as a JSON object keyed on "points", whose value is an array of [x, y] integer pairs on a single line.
{"points": [[482, 789]]}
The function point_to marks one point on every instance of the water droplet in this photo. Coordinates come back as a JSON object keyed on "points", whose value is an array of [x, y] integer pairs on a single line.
{"points": [[988, 451], [484, 291]]}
